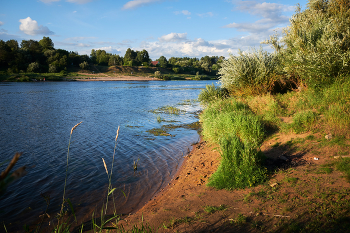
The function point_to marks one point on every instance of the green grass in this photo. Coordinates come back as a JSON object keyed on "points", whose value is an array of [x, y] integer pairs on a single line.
{"points": [[343, 165], [239, 133], [212, 93], [167, 110], [213, 209]]}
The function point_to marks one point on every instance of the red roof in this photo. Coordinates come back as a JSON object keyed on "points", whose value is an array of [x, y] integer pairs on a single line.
{"points": [[154, 62]]}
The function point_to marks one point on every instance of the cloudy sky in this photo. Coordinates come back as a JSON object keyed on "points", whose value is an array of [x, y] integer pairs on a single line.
{"points": [[179, 28]]}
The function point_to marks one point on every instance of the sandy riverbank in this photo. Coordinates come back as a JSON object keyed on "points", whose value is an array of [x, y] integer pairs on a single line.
{"points": [[111, 78], [183, 205]]}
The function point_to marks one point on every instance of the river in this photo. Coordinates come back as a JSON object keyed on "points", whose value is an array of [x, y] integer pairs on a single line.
{"points": [[36, 119]]}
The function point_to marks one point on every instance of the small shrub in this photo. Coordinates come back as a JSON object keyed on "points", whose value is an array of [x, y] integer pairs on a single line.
{"points": [[252, 73], [84, 65], [212, 93], [33, 67], [158, 74]]}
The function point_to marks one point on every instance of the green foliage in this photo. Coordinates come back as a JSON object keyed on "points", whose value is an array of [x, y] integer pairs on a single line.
{"points": [[344, 166], [240, 166], [163, 62], [252, 73], [303, 121], [158, 74], [52, 68], [225, 117], [239, 133], [212, 93], [213, 209], [316, 47], [167, 109], [84, 65], [33, 67], [176, 70]]}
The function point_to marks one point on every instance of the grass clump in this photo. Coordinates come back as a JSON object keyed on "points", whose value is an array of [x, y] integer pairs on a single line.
{"points": [[240, 166], [167, 110], [212, 93], [303, 121], [239, 133], [213, 209]]}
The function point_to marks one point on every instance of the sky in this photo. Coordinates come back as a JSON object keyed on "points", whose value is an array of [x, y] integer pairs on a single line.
{"points": [[170, 28]]}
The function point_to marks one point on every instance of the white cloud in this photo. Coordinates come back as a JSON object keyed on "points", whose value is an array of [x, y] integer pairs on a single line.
{"points": [[31, 27], [49, 1], [1, 23], [110, 49], [184, 12], [173, 37], [79, 38], [74, 12], [79, 1], [137, 3], [208, 14], [271, 18]]}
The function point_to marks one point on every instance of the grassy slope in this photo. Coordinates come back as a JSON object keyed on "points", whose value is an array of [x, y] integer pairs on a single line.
{"points": [[313, 196]]}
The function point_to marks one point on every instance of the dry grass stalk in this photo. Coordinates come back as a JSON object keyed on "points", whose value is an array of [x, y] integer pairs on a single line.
{"points": [[75, 127], [105, 165], [116, 137], [10, 166]]}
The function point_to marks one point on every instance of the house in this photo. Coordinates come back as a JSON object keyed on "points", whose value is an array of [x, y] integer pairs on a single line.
{"points": [[154, 63]]}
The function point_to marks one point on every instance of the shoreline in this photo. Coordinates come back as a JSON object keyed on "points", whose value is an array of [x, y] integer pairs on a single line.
{"points": [[118, 78], [184, 205]]}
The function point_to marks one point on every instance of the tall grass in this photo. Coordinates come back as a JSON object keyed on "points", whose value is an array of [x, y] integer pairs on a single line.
{"points": [[249, 73], [239, 132], [212, 93], [240, 166], [64, 224]]}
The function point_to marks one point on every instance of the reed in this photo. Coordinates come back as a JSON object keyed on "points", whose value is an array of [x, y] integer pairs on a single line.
{"points": [[65, 180]]}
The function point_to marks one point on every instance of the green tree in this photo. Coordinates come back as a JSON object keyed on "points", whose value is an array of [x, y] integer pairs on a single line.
{"points": [[84, 65], [33, 67], [115, 60], [163, 62], [130, 57], [315, 48], [46, 43], [142, 56]]}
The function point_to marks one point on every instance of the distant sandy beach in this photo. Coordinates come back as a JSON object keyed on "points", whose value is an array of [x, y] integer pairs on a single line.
{"points": [[118, 78]]}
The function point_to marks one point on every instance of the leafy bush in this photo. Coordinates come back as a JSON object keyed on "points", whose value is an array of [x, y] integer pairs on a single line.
{"points": [[84, 65], [33, 67], [252, 73], [316, 46], [211, 93], [158, 74], [52, 68]]}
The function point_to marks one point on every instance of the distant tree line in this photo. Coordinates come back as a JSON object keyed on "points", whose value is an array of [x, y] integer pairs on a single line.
{"points": [[36, 56], [41, 56]]}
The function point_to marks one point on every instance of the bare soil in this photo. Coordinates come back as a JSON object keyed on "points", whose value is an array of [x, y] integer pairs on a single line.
{"points": [[303, 191]]}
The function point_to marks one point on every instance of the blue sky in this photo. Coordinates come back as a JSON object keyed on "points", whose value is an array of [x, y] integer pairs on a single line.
{"points": [[179, 28]]}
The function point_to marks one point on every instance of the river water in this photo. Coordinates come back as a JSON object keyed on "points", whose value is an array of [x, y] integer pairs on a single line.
{"points": [[36, 119]]}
